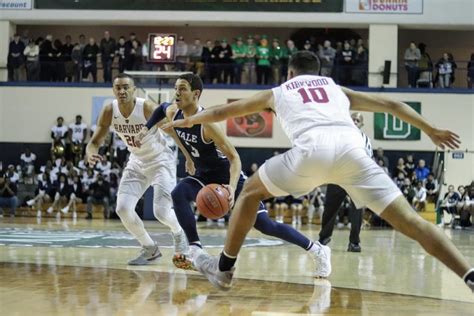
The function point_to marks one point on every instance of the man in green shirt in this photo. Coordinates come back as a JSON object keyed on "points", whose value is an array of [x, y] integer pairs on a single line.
{"points": [[239, 54], [250, 62], [264, 70]]}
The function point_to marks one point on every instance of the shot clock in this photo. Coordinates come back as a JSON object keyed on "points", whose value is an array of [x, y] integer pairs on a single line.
{"points": [[162, 48]]}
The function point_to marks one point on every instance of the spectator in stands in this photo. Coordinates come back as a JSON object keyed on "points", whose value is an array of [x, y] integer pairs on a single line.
{"points": [[46, 58], [264, 69], [12, 174], [76, 59], [408, 190], [253, 168], [446, 67], [207, 60], [195, 57], [31, 53], [8, 192], [225, 62], [409, 164], [361, 66], [307, 46], [59, 132], [425, 66], [98, 194], [104, 167], [382, 165], [27, 163], [448, 205], [42, 193], [59, 72], [412, 56], [119, 150], [66, 51], [89, 57], [107, 54], [379, 155], [277, 56], [401, 167], [422, 171], [89, 177], [239, 53], [181, 54], [77, 135], [346, 62], [16, 59], [290, 51], [432, 188], [470, 72], [250, 67], [419, 201], [136, 56], [466, 205], [120, 52], [327, 54], [399, 179], [76, 195], [62, 190]]}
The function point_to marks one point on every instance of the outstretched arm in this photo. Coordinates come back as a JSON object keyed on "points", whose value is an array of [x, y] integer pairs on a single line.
{"points": [[374, 103], [261, 101]]}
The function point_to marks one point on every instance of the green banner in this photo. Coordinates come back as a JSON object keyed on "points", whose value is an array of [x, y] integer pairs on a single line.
{"points": [[388, 127], [196, 5]]}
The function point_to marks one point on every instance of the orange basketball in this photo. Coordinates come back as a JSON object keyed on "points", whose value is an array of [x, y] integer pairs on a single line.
{"points": [[212, 201]]}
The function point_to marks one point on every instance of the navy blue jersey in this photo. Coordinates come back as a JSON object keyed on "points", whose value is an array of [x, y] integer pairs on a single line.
{"points": [[209, 161]]}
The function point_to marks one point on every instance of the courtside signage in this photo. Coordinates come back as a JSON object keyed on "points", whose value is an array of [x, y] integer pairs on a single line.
{"points": [[385, 6], [15, 4]]}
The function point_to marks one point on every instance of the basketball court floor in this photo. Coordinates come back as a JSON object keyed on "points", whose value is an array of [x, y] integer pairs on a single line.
{"points": [[79, 268]]}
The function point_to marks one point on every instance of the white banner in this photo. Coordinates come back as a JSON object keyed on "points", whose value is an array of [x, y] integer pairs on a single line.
{"points": [[16, 4], [385, 6]]}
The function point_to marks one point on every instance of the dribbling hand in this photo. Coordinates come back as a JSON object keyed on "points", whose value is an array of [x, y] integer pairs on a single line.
{"points": [[231, 194], [444, 138]]}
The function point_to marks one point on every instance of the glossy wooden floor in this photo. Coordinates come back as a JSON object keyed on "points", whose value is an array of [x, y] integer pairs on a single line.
{"points": [[66, 268]]}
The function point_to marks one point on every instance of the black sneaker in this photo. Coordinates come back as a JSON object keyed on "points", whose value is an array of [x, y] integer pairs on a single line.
{"points": [[325, 241], [354, 247], [89, 216]]}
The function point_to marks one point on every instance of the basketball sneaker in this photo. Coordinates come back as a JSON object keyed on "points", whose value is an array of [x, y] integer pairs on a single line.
{"points": [[50, 210], [322, 258], [209, 266], [30, 202], [64, 210], [185, 260], [147, 255], [354, 247]]}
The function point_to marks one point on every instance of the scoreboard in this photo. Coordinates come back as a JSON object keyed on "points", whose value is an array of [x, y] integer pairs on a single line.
{"points": [[162, 48]]}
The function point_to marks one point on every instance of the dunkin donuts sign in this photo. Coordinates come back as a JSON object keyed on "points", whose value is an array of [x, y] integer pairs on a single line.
{"points": [[385, 6]]}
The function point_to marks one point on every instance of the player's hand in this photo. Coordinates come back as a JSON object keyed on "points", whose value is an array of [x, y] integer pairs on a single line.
{"points": [[92, 159], [178, 123], [444, 138], [231, 194], [140, 136], [189, 167]]}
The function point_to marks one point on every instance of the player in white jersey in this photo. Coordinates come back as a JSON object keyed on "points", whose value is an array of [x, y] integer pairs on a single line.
{"points": [[151, 164], [327, 148]]}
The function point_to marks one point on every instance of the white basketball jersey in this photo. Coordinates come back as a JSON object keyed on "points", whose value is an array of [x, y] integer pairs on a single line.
{"points": [[127, 129], [306, 102]]}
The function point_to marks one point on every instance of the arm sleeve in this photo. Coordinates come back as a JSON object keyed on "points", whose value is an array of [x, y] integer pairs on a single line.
{"points": [[158, 114]]}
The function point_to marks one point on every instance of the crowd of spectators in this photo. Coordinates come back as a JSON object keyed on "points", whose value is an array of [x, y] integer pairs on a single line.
{"points": [[255, 59], [422, 71]]}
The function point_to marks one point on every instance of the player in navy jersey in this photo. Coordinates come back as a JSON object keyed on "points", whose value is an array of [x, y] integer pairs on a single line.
{"points": [[216, 161]]}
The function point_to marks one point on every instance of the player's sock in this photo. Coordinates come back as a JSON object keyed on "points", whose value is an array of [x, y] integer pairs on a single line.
{"points": [[226, 262], [196, 244], [269, 227], [469, 276], [311, 247]]}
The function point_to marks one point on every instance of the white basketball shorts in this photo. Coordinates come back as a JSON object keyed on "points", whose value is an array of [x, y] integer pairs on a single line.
{"points": [[332, 155], [138, 175]]}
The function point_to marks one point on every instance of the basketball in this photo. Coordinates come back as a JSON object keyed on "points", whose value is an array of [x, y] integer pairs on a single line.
{"points": [[212, 201]]}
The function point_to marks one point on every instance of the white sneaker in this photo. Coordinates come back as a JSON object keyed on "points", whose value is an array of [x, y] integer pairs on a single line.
{"points": [[185, 260], [340, 225], [64, 210], [50, 210], [322, 259], [38, 214], [30, 202]]}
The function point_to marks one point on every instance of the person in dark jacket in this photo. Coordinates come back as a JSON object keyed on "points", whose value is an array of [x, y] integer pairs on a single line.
{"points": [[98, 194], [8, 192]]}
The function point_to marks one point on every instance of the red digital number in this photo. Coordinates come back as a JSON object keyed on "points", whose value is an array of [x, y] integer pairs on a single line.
{"points": [[318, 95]]}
